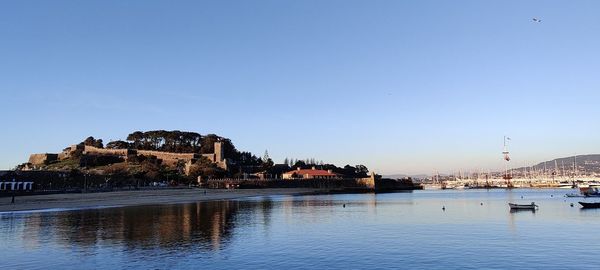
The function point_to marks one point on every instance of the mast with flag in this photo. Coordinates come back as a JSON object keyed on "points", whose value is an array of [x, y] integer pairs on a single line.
{"points": [[506, 155]]}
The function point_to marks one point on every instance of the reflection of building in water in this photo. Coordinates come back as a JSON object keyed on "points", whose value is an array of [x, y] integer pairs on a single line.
{"points": [[371, 203], [216, 231], [32, 233], [203, 225]]}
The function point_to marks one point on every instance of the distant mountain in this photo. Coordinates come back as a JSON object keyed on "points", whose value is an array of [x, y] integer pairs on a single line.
{"points": [[585, 163]]}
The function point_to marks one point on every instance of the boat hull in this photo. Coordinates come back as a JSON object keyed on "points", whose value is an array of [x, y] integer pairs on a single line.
{"points": [[590, 205], [515, 206]]}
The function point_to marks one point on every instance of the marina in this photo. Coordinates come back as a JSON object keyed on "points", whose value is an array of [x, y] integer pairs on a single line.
{"points": [[539, 176]]}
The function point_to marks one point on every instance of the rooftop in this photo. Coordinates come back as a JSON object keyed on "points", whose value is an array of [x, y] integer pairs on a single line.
{"points": [[313, 172]]}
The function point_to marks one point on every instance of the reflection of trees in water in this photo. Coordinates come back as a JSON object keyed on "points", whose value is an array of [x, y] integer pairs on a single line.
{"points": [[202, 225]]}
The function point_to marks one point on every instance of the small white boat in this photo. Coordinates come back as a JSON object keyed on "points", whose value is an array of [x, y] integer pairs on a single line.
{"points": [[574, 195], [566, 185], [432, 186], [515, 206]]}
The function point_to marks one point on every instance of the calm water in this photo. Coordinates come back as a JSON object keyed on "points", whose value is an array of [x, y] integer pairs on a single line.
{"points": [[372, 231]]}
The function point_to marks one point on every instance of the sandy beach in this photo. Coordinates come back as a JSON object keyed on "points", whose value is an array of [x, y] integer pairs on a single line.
{"points": [[140, 197]]}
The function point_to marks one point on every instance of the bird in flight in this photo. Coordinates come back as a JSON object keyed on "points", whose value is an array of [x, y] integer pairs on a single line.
{"points": [[537, 20]]}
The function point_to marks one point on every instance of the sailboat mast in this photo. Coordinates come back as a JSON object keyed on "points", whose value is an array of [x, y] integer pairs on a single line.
{"points": [[574, 171], [505, 153], [555, 172], [575, 164]]}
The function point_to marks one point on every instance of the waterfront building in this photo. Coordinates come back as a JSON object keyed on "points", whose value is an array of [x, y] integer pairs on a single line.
{"points": [[311, 174], [16, 185]]}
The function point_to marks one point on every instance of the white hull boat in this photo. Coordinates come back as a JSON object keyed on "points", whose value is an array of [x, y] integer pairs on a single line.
{"points": [[514, 206]]}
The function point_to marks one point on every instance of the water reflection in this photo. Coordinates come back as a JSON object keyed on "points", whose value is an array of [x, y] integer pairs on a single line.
{"points": [[307, 232], [204, 225]]}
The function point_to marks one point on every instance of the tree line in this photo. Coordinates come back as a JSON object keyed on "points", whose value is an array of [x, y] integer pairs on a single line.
{"points": [[172, 141]]}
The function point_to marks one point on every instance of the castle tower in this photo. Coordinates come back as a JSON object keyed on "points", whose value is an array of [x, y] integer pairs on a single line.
{"points": [[219, 155]]}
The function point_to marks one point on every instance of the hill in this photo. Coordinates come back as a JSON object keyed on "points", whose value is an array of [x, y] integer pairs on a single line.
{"points": [[587, 164], [161, 157]]}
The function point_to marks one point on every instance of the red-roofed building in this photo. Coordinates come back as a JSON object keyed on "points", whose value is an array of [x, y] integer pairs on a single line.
{"points": [[311, 174]]}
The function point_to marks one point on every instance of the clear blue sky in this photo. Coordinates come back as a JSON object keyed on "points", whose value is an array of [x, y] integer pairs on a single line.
{"points": [[400, 86]]}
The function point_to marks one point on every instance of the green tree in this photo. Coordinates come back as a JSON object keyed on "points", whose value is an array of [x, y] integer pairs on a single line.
{"points": [[361, 170], [206, 169], [299, 164], [90, 141], [117, 145]]}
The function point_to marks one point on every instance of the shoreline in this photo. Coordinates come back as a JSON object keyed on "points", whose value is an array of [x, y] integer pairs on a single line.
{"points": [[77, 201]]}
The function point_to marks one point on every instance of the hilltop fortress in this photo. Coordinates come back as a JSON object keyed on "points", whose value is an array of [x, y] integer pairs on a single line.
{"points": [[161, 158], [169, 159]]}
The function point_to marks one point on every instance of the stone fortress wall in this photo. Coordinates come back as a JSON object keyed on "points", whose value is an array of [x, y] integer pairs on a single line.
{"points": [[42, 159], [109, 152], [168, 158]]}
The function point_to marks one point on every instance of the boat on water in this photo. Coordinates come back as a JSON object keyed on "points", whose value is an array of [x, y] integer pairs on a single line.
{"points": [[566, 185], [514, 206], [573, 195], [432, 186], [590, 192], [453, 185], [587, 184], [590, 204]]}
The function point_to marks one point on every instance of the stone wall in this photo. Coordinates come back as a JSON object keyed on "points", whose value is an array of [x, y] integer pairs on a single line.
{"points": [[210, 157], [127, 152], [168, 158], [372, 183], [70, 151], [42, 159], [168, 155], [103, 151], [218, 159], [340, 183], [218, 156], [368, 182]]}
